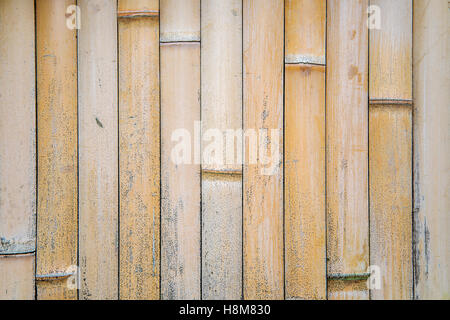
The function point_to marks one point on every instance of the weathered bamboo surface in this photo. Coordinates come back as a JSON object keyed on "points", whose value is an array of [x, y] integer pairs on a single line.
{"points": [[305, 252], [17, 277], [431, 149], [391, 52], [262, 187], [238, 149], [98, 150], [305, 28], [139, 151], [17, 150], [180, 181], [305, 182], [347, 146], [390, 199], [390, 149], [180, 20], [57, 221], [221, 101]]}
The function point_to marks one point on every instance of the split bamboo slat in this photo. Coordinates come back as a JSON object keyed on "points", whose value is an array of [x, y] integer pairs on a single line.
{"points": [[390, 149], [305, 253], [431, 149], [98, 158], [347, 149], [180, 181], [221, 77], [17, 150], [139, 155], [57, 222], [263, 42], [181, 21]]}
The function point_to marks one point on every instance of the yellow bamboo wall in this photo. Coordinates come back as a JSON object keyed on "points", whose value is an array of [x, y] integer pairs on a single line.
{"points": [[93, 206]]}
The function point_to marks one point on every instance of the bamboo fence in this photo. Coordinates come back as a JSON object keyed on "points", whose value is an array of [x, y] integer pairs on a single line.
{"points": [[112, 185]]}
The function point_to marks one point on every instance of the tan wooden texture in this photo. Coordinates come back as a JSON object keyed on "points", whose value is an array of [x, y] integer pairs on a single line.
{"points": [[305, 252], [180, 20], [17, 149], [180, 182], [305, 28], [263, 110], [431, 149], [391, 51], [390, 149], [347, 289], [57, 221], [139, 154], [17, 277], [347, 146], [391, 199], [98, 149], [221, 100]]}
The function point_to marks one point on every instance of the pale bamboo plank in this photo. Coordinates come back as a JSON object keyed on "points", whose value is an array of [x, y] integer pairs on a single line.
{"points": [[263, 109], [305, 26], [391, 199], [347, 146], [305, 31], [139, 155], [180, 183], [222, 236], [391, 51], [305, 182], [128, 6], [57, 221], [347, 290], [17, 149], [17, 277], [390, 148], [180, 20], [98, 149], [431, 149], [221, 74]]}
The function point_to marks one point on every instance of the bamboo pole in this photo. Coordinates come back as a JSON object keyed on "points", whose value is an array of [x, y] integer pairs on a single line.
{"points": [[180, 176], [98, 158], [390, 149], [57, 221], [347, 149], [17, 150], [305, 28], [180, 20], [221, 75], [263, 110], [139, 155], [180, 86], [305, 149], [431, 149]]}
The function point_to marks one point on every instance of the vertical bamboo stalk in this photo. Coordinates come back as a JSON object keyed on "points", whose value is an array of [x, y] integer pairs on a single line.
{"points": [[57, 221], [221, 75], [180, 163], [390, 147], [98, 158], [305, 31], [17, 150], [263, 112], [347, 149], [431, 149], [180, 88], [139, 155], [305, 149], [180, 20]]}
